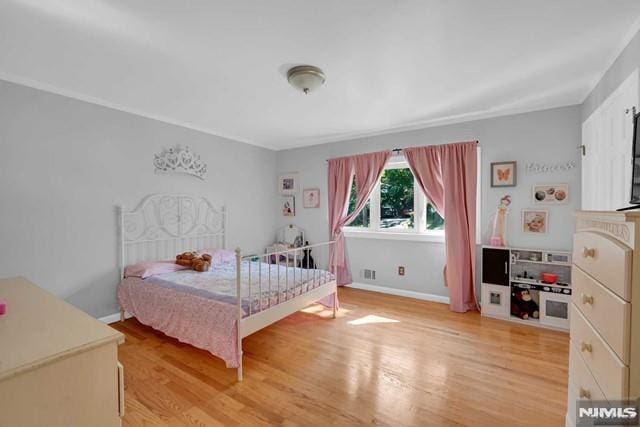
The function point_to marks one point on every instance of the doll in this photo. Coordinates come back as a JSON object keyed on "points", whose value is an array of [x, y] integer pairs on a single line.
{"points": [[499, 233]]}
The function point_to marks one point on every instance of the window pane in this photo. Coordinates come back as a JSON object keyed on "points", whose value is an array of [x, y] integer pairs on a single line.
{"points": [[396, 199], [434, 220], [362, 220]]}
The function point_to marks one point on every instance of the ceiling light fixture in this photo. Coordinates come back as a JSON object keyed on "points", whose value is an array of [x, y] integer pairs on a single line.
{"points": [[306, 78]]}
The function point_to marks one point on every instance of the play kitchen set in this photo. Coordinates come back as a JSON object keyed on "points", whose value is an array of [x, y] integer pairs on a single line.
{"points": [[527, 285]]}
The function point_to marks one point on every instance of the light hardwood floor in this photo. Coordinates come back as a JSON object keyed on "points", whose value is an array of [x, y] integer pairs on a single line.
{"points": [[385, 360]]}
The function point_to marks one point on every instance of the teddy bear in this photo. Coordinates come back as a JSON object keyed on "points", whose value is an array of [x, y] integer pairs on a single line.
{"points": [[194, 260], [523, 305]]}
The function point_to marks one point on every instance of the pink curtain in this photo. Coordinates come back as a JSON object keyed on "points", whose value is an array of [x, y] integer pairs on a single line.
{"points": [[367, 169], [447, 174]]}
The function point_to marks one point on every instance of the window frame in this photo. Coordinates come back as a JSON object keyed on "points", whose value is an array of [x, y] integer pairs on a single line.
{"points": [[419, 232], [420, 200]]}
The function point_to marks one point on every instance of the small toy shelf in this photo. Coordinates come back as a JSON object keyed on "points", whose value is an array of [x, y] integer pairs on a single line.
{"points": [[530, 286]]}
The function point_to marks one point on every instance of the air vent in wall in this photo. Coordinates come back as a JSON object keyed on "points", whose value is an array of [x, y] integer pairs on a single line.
{"points": [[369, 274]]}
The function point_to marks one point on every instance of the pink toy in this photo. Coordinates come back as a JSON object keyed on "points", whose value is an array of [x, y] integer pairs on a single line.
{"points": [[3, 307], [499, 234]]}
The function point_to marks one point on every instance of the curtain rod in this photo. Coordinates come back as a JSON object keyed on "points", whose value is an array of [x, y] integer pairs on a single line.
{"points": [[397, 150]]}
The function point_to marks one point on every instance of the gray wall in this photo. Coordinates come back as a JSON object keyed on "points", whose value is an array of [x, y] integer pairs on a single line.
{"points": [[547, 136], [66, 164], [624, 65]]}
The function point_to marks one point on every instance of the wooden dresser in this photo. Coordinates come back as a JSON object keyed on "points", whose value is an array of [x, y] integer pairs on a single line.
{"points": [[604, 362], [58, 365]]}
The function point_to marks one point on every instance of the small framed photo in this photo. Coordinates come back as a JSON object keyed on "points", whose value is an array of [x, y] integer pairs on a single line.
{"points": [[289, 183], [535, 221], [550, 194], [289, 206], [311, 198], [504, 174]]}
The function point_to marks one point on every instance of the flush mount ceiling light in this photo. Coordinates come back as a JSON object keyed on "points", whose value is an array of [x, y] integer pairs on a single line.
{"points": [[306, 78]]}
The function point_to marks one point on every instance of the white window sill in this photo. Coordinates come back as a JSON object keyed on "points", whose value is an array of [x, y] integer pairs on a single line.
{"points": [[433, 237]]}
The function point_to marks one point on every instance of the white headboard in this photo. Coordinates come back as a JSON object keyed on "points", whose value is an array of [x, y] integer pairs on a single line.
{"points": [[164, 225]]}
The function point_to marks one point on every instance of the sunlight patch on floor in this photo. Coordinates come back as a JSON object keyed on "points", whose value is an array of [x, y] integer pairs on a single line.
{"points": [[322, 311], [372, 318]]}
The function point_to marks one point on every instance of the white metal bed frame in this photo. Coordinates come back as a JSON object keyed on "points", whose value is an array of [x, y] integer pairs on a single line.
{"points": [[164, 225]]}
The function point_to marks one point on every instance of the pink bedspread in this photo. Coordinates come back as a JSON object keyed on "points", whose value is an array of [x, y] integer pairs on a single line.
{"points": [[196, 309], [201, 322]]}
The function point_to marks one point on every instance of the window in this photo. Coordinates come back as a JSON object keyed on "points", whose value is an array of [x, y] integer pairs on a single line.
{"points": [[397, 207], [362, 220], [397, 210]]}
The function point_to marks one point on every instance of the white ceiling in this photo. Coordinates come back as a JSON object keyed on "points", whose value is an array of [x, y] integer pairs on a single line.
{"points": [[219, 66]]}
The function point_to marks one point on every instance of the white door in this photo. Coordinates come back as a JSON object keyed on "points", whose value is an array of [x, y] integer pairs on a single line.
{"points": [[607, 138]]}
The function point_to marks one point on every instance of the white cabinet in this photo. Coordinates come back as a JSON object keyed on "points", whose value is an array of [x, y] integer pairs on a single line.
{"points": [[506, 271], [496, 300]]}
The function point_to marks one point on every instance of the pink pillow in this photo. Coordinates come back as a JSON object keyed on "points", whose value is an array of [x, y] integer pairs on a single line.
{"points": [[220, 256], [151, 268]]}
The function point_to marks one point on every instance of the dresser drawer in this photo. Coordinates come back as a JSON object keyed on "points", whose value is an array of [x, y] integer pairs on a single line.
{"points": [[606, 259], [608, 370], [582, 386], [608, 313]]}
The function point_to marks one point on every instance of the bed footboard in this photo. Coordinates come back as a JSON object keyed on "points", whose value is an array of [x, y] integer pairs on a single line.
{"points": [[272, 286]]}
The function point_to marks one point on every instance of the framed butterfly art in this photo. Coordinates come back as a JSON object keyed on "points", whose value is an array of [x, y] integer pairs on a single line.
{"points": [[504, 174]]}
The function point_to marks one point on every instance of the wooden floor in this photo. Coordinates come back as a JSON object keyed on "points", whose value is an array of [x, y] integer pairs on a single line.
{"points": [[385, 361]]}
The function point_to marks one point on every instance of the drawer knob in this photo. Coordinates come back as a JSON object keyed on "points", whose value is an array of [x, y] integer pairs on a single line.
{"points": [[586, 299], [588, 252], [585, 346], [584, 393]]}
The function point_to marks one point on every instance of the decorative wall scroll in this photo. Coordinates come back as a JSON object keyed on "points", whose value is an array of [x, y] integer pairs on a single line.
{"points": [[535, 167], [179, 160]]}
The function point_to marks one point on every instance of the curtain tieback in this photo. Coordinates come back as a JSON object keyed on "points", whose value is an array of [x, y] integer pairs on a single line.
{"points": [[444, 275]]}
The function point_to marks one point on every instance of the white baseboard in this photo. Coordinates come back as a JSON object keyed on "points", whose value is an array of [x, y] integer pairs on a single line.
{"points": [[115, 317], [400, 292]]}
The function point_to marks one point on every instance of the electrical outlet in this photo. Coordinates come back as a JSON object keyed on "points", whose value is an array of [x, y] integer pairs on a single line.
{"points": [[401, 270]]}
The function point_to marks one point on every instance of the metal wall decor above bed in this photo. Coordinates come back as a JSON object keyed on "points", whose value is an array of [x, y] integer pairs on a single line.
{"points": [[179, 160]]}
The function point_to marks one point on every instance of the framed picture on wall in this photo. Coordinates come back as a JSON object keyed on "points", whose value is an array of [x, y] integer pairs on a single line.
{"points": [[289, 183], [535, 221], [504, 174], [550, 194], [289, 206], [311, 198]]}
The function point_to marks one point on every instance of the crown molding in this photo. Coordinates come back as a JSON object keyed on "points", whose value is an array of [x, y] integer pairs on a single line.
{"points": [[46, 87], [426, 124], [624, 42], [299, 142]]}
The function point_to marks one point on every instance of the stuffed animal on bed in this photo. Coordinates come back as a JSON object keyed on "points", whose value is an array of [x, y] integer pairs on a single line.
{"points": [[194, 260], [307, 260], [523, 305]]}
